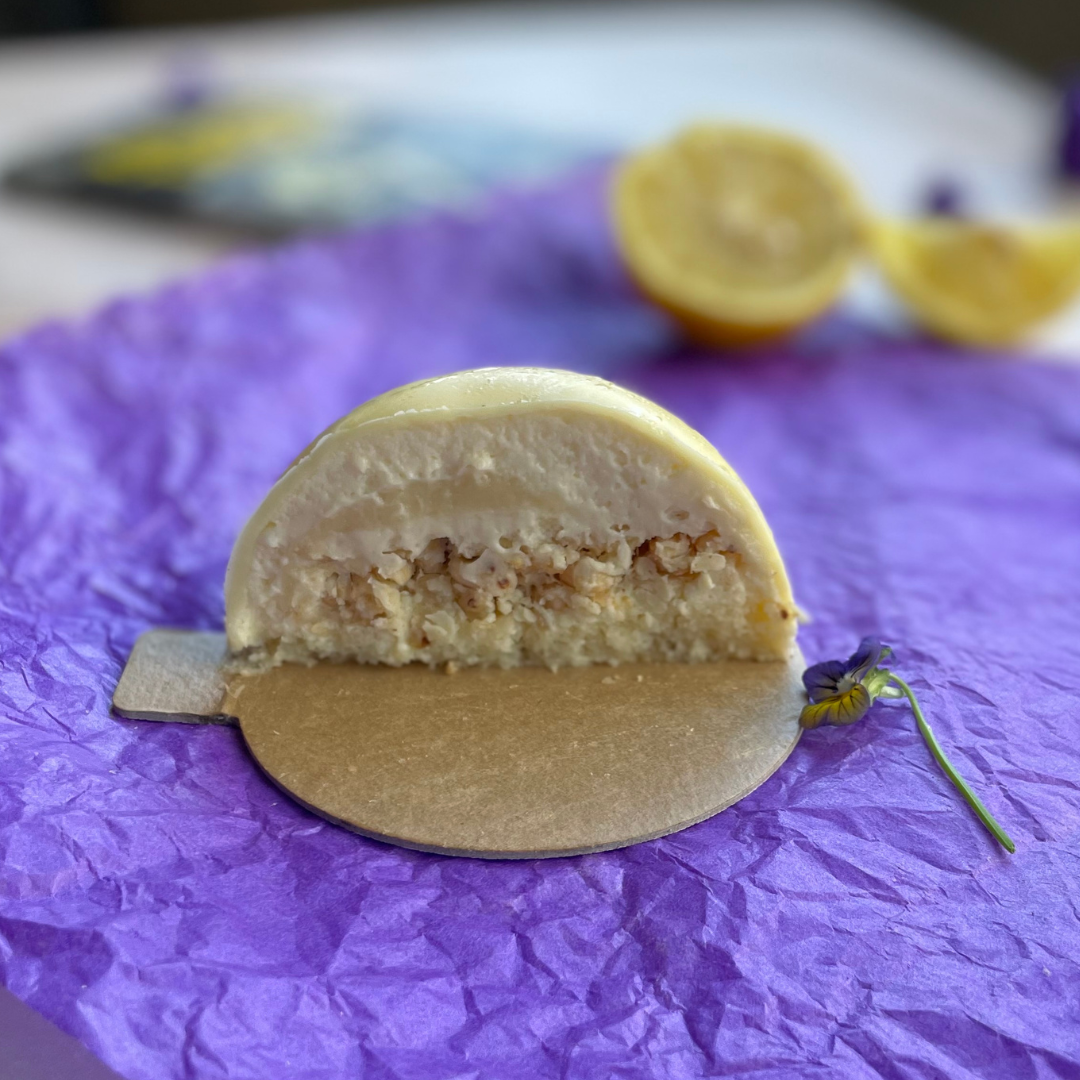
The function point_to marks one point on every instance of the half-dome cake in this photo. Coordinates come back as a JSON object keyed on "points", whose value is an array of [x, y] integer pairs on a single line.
{"points": [[504, 517]]}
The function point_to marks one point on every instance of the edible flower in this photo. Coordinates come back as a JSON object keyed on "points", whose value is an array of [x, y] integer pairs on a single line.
{"points": [[838, 690], [842, 691]]}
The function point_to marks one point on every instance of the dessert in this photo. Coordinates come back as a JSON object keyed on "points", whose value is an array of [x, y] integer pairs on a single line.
{"points": [[502, 517]]}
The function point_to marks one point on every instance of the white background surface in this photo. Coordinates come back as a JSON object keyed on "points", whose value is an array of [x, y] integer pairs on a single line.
{"points": [[896, 101]]}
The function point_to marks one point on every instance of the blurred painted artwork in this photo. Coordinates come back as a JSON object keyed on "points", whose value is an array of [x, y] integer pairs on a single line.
{"points": [[286, 165]]}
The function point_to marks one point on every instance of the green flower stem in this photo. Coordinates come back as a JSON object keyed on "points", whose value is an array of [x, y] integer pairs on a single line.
{"points": [[973, 800]]}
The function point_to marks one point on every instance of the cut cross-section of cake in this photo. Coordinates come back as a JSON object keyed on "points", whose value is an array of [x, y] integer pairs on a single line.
{"points": [[502, 517]]}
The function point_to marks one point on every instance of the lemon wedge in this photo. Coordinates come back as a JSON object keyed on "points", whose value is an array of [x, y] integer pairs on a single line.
{"points": [[741, 234], [979, 283]]}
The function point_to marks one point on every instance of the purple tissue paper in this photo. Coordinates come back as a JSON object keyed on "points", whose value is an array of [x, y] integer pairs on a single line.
{"points": [[164, 903]]}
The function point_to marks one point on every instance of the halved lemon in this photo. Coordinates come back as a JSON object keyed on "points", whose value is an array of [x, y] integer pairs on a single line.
{"points": [[979, 283], [741, 234]]}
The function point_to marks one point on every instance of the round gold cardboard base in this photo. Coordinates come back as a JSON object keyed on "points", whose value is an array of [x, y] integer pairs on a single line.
{"points": [[524, 763], [496, 764]]}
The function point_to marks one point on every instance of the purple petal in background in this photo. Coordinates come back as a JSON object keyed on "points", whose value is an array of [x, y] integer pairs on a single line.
{"points": [[1069, 145], [944, 197]]}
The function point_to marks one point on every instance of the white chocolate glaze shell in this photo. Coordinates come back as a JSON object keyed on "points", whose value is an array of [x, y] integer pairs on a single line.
{"points": [[508, 516]]}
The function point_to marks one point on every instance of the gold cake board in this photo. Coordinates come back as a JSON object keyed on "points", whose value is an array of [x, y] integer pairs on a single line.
{"points": [[514, 764]]}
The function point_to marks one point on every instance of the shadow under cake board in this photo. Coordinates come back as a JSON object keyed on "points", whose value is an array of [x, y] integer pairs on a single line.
{"points": [[490, 763]]}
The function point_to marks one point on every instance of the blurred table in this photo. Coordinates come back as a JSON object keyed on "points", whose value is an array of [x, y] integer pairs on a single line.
{"points": [[898, 101]]}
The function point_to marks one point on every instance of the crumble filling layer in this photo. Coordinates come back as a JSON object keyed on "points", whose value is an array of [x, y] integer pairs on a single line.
{"points": [[670, 598]]}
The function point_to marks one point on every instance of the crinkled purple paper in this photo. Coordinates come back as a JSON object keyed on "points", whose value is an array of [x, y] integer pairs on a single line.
{"points": [[164, 903]]}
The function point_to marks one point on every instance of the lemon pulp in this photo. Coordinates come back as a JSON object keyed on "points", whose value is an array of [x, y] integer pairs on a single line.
{"points": [[978, 283], [740, 233]]}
